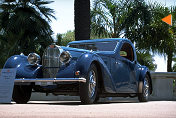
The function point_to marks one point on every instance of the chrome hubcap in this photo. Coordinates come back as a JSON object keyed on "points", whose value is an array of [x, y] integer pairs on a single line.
{"points": [[92, 83], [146, 87]]}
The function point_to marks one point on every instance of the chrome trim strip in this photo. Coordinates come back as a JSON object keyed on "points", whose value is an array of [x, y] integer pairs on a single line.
{"points": [[22, 80]]}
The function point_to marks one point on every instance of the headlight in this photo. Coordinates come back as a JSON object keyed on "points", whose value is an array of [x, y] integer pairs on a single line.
{"points": [[65, 57], [33, 59]]}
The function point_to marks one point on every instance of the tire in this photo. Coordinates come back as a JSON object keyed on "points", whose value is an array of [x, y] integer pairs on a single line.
{"points": [[21, 94], [144, 96], [89, 90]]}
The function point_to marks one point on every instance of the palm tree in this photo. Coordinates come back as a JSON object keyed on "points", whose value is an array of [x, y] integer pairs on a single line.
{"points": [[159, 37], [82, 19], [24, 26], [113, 18], [29, 19]]}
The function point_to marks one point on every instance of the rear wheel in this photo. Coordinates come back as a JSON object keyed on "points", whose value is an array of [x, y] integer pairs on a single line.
{"points": [[89, 90], [21, 93], [144, 96]]}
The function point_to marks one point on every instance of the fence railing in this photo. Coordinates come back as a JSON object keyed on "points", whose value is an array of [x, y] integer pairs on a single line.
{"points": [[163, 75]]}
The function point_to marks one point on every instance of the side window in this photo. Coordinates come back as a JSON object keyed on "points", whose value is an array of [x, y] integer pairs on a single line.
{"points": [[127, 52]]}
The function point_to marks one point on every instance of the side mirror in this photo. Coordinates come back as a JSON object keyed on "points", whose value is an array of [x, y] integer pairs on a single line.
{"points": [[123, 53]]}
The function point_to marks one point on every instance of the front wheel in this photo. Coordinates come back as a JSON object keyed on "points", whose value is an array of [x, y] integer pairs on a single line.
{"points": [[144, 96], [21, 93], [89, 90]]}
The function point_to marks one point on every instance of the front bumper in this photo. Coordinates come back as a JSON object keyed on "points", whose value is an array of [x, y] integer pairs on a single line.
{"points": [[28, 80]]}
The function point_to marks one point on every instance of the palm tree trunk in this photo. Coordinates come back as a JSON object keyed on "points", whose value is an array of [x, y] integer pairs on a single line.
{"points": [[82, 19], [169, 62]]}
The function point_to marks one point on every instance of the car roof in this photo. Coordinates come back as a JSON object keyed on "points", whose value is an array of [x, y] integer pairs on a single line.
{"points": [[97, 40]]}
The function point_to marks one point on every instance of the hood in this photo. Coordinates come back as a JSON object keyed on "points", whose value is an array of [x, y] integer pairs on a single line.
{"points": [[75, 52]]}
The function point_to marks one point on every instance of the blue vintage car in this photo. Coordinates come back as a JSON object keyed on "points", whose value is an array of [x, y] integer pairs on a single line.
{"points": [[89, 68]]}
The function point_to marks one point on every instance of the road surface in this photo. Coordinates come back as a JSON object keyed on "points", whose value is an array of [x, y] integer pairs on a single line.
{"points": [[74, 109]]}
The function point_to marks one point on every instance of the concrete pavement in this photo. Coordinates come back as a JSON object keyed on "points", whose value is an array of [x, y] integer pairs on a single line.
{"points": [[74, 109]]}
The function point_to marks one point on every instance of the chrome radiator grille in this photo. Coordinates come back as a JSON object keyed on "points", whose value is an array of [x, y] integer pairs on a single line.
{"points": [[50, 62]]}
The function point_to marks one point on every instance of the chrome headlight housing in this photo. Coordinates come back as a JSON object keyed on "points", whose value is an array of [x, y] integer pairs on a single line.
{"points": [[33, 59], [65, 57]]}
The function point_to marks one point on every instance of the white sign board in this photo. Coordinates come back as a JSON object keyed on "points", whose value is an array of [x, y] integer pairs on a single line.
{"points": [[7, 77]]}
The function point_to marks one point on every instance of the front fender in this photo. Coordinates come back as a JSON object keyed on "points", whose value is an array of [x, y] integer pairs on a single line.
{"points": [[24, 69], [83, 65]]}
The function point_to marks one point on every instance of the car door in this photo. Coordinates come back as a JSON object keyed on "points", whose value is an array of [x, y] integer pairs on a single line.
{"points": [[132, 74], [123, 69], [120, 74], [132, 66]]}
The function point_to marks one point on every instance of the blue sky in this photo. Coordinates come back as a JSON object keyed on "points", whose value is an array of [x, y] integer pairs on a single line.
{"points": [[64, 12]]}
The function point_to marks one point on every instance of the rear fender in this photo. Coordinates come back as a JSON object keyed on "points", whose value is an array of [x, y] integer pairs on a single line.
{"points": [[143, 72]]}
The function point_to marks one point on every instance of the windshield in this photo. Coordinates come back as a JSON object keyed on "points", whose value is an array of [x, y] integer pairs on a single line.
{"points": [[96, 46]]}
